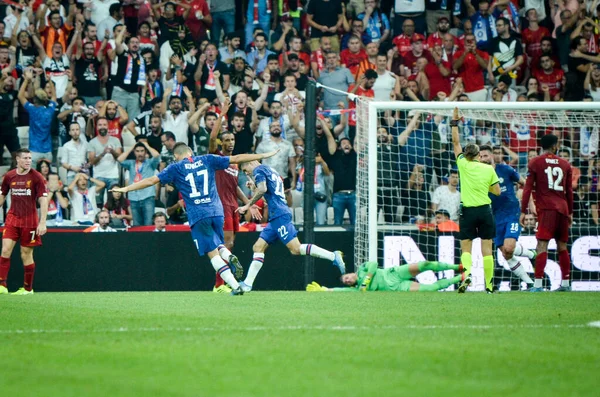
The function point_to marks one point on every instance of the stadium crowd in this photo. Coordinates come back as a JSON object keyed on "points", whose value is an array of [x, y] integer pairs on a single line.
{"points": [[101, 90]]}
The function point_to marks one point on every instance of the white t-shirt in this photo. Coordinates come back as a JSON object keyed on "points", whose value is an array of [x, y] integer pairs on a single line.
{"points": [[107, 167], [81, 213], [383, 86], [75, 154], [177, 125], [100, 10], [446, 200], [409, 6], [280, 162], [56, 69], [11, 20]]}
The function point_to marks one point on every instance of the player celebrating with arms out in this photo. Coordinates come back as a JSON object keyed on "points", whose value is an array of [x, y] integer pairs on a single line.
{"points": [[194, 177], [398, 278], [270, 184], [27, 188], [476, 218], [550, 177], [506, 212]]}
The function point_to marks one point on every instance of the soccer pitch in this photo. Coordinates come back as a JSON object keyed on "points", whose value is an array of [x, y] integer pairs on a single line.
{"points": [[299, 344]]}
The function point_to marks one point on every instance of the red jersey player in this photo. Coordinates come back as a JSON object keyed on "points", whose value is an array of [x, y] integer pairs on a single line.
{"points": [[550, 179], [229, 192], [27, 188]]}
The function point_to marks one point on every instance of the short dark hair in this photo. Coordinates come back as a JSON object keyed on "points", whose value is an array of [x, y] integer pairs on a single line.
{"points": [[548, 141], [239, 115], [370, 74], [575, 42], [272, 57], [169, 135], [116, 26], [158, 215], [21, 151], [503, 19], [181, 147], [263, 35], [213, 114], [486, 147], [115, 7], [140, 144]]}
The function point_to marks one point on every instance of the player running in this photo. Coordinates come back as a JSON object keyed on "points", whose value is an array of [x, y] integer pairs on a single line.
{"points": [[550, 177], [194, 177], [506, 213], [270, 184], [27, 189], [398, 278], [229, 193]]}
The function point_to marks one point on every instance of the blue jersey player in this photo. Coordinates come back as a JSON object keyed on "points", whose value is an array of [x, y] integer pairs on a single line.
{"points": [[270, 185], [194, 177], [506, 211]]}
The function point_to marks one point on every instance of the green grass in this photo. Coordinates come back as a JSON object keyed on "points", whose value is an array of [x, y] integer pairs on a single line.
{"points": [[299, 344]]}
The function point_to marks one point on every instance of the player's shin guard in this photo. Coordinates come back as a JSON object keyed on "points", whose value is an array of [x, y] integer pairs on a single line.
{"points": [[519, 270], [440, 284], [467, 261], [488, 271], [28, 278], [257, 262], [316, 251], [4, 268], [564, 261], [522, 251], [540, 266], [223, 270], [436, 266]]}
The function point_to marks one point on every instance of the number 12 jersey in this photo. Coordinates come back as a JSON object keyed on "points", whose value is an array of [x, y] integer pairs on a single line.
{"points": [[550, 179]]}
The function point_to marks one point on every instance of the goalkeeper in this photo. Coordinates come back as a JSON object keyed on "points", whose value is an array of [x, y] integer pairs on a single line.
{"points": [[399, 278]]}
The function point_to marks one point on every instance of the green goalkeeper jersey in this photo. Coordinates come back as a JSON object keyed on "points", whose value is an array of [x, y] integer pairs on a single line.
{"points": [[390, 279]]}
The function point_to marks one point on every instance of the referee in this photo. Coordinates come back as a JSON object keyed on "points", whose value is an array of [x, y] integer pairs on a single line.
{"points": [[476, 218]]}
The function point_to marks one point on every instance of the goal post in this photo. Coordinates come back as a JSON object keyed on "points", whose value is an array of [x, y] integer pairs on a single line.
{"points": [[401, 234]]}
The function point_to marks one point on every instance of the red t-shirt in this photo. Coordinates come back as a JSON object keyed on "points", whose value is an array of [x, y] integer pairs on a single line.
{"points": [[351, 105], [25, 191], [554, 80], [403, 43], [533, 39], [550, 179], [114, 128], [227, 183], [435, 39], [352, 60], [410, 60], [471, 72], [197, 26], [437, 82]]}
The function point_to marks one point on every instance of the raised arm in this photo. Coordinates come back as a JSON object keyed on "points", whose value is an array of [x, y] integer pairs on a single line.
{"points": [[409, 129], [455, 138], [244, 158], [144, 183], [214, 134]]}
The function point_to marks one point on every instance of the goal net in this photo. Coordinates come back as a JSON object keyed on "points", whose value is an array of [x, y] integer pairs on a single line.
{"points": [[408, 187]]}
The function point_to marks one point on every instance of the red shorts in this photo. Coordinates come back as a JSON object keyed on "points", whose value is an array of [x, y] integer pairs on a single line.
{"points": [[552, 224], [25, 235], [232, 219]]}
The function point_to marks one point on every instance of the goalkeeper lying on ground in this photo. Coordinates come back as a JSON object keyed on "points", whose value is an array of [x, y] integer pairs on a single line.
{"points": [[398, 278]]}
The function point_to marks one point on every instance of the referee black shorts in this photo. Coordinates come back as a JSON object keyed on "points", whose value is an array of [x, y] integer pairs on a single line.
{"points": [[477, 222]]}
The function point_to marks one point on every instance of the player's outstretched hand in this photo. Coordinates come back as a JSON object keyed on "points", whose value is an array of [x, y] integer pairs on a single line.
{"points": [[270, 154], [118, 189], [242, 210], [255, 212], [315, 287]]}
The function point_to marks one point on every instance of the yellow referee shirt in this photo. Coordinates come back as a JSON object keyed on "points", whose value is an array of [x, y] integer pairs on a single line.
{"points": [[475, 181]]}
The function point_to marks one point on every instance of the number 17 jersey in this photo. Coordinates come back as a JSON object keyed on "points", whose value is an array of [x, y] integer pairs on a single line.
{"points": [[551, 179], [275, 194], [194, 177]]}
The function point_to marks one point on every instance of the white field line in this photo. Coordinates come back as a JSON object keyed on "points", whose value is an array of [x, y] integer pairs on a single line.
{"points": [[334, 328]]}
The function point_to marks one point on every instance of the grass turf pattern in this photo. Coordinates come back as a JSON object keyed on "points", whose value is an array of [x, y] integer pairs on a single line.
{"points": [[299, 344]]}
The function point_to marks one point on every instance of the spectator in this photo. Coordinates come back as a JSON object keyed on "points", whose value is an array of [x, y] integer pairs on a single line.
{"points": [[321, 172], [415, 11], [154, 133], [44, 167], [8, 129], [439, 32], [563, 32], [175, 206], [470, 64], [325, 19], [447, 197], [142, 121], [352, 56], [388, 160], [175, 119], [364, 88], [532, 36], [358, 30], [205, 73], [483, 22], [438, 73], [258, 14], [592, 82], [83, 198], [201, 133], [119, 208], [86, 73], [231, 50], [334, 76], [41, 114], [101, 9], [166, 156], [102, 224], [293, 68], [159, 220], [386, 81], [55, 33], [502, 91], [283, 162], [103, 152], [376, 24], [116, 116], [417, 51], [106, 25], [416, 199], [317, 57], [551, 77], [276, 110], [223, 18], [585, 205], [370, 62], [506, 53], [197, 18], [142, 201], [343, 166], [565, 154], [258, 57], [75, 151], [530, 224], [415, 147], [58, 201], [403, 41], [444, 223], [131, 74]]}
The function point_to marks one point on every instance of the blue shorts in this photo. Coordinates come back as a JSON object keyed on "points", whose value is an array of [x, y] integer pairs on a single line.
{"points": [[280, 228], [506, 227], [208, 234]]}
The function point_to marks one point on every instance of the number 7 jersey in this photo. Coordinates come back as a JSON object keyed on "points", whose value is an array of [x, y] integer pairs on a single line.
{"points": [[275, 194], [550, 179], [194, 177]]}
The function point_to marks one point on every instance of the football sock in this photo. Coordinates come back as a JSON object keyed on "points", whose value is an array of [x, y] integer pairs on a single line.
{"points": [[488, 271], [257, 262], [540, 266], [28, 278], [440, 284], [223, 270], [436, 266], [519, 270], [316, 251], [467, 261], [522, 251], [224, 253], [219, 280], [4, 268], [564, 261]]}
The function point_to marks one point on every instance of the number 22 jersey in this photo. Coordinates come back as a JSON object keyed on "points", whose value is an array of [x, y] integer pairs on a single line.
{"points": [[550, 177], [194, 177], [275, 194]]}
